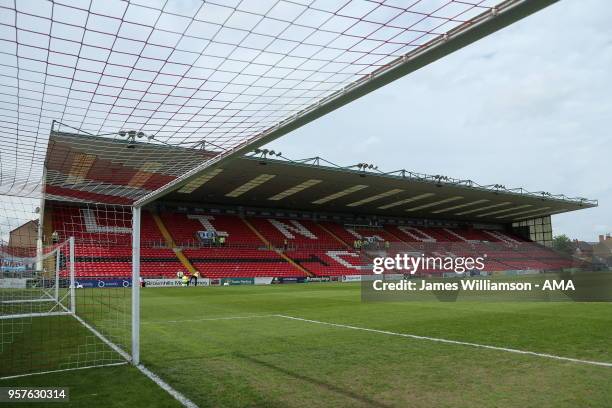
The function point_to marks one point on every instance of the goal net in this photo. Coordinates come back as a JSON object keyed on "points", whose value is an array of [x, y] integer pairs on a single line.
{"points": [[60, 309], [32, 286], [122, 103]]}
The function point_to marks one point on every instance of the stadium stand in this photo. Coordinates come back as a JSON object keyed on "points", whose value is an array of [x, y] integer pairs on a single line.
{"points": [[330, 262], [297, 233], [240, 263], [184, 228], [340, 232], [275, 217], [101, 226], [116, 261], [275, 247]]}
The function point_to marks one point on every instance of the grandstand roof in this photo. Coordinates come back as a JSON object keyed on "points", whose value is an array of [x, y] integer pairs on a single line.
{"points": [[95, 169]]}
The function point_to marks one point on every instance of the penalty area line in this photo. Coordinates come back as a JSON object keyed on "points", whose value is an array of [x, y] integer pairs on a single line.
{"points": [[455, 342]]}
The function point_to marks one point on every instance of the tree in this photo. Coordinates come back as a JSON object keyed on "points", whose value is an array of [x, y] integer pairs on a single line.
{"points": [[562, 243]]}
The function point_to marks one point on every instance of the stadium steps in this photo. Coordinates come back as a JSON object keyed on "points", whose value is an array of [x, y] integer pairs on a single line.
{"points": [[337, 238], [170, 242], [280, 253]]}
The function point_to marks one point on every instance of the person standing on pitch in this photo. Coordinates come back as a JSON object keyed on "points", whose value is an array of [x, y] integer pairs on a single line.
{"points": [[194, 277]]}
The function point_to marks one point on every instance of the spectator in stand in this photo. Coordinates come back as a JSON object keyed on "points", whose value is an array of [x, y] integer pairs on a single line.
{"points": [[222, 240], [54, 237], [285, 244]]}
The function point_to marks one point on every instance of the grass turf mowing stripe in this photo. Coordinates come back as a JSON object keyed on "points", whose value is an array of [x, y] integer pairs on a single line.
{"points": [[456, 342], [208, 319]]}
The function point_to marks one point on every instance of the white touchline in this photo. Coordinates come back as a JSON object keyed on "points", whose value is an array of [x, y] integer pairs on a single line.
{"points": [[186, 402], [457, 342], [208, 319]]}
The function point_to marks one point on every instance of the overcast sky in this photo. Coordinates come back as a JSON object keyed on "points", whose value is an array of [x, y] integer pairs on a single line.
{"points": [[529, 106]]}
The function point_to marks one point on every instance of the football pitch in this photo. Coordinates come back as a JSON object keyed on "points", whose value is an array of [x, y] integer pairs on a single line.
{"points": [[318, 345]]}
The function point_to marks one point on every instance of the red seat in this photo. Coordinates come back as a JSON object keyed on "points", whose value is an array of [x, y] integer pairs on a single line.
{"points": [[103, 245]]}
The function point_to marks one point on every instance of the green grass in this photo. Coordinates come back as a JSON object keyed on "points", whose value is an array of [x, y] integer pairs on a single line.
{"points": [[109, 387], [269, 361]]}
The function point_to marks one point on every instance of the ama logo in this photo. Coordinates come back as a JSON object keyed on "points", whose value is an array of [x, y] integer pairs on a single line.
{"points": [[558, 285]]}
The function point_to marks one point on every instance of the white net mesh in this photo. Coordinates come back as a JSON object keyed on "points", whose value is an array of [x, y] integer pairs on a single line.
{"points": [[32, 286], [192, 74], [59, 307], [198, 81]]}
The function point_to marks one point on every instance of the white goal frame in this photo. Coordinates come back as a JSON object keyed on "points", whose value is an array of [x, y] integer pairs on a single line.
{"points": [[57, 307]]}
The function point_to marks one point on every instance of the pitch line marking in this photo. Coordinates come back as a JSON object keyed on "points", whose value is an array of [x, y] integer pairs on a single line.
{"points": [[456, 342], [182, 399], [61, 370], [186, 402]]}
